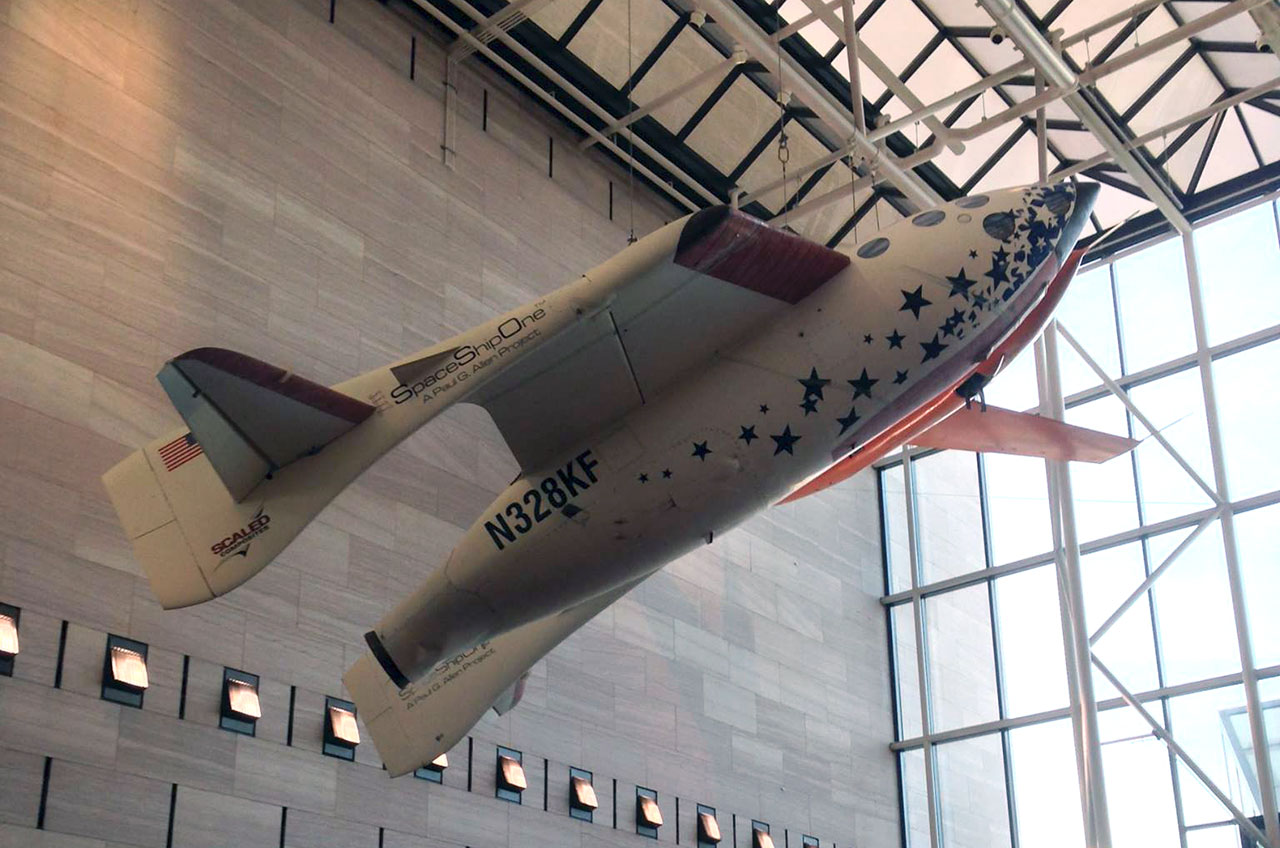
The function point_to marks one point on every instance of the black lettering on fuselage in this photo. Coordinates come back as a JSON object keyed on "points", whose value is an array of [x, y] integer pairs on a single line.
{"points": [[556, 491], [500, 529]]}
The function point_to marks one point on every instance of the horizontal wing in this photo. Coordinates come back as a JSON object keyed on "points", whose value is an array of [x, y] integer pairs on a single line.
{"points": [[678, 296], [251, 418], [413, 726], [995, 430]]}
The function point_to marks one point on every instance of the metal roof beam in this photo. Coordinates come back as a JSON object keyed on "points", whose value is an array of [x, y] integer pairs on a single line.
{"points": [[715, 72], [758, 45], [891, 80], [1048, 61]]}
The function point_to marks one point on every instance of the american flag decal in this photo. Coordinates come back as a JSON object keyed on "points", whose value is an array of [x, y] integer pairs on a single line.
{"points": [[180, 451]]}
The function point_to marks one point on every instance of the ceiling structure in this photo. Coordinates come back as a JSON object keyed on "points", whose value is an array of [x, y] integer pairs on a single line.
{"points": [[1172, 106]]}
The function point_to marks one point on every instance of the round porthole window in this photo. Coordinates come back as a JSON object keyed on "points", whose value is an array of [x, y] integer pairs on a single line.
{"points": [[1058, 200], [999, 225], [873, 248], [929, 219], [973, 201]]}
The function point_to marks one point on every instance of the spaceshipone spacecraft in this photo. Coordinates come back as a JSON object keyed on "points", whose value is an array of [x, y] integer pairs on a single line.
{"points": [[711, 369]]}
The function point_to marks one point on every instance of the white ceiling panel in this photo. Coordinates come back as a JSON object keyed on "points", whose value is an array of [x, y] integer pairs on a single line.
{"points": [[1191, 88], [1125, 86], [1237, 28], [1018, 166], [1114, 205], [804, 149], [1266, 131], [688, 56], [554, 18], [734, 125], [1231, 155], [897, 32], [1075, 145], [1182, 164], [602, 41], [1245, 70]]}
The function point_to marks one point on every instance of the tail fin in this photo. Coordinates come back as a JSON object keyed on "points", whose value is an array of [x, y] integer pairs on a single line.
{"points": [[414, 725], [185, 500], [253, 418]]}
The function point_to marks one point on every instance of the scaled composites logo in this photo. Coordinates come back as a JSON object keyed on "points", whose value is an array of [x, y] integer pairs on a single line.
{"points": [[237, 544], [445, 673], [434, 375]]}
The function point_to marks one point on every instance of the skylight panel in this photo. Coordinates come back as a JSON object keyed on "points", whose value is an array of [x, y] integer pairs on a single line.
{"points": [[896, 33], [1126, 85], [1230, 156], [1190, 89]]}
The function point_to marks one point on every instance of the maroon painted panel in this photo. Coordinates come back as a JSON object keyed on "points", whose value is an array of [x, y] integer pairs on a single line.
{"points": [[734, 247], [280, 381]]}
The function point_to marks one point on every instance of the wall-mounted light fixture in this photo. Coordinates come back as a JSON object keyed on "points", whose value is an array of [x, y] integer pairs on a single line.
{"points": [[648, 814], [582, 795], [9, 616], [510, 779], [341, 733], [809, 842], [241, 707], [434, 770], [124, 671], [708, 827], [760, 837]]}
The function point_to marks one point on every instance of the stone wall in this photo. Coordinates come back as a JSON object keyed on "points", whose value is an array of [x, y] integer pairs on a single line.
{"points": [[242, 173]]}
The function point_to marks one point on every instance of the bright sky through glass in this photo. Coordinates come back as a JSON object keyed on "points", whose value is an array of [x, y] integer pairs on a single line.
{"points": [[1133, 317]]}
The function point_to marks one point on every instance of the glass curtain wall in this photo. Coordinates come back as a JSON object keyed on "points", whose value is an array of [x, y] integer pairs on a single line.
{"points": [[989, 654]]}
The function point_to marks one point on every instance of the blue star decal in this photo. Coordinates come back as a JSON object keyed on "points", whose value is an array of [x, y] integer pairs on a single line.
{"points": [[764, 409], [913, 301], [700, 450], [666, 474], [785, 441], [960, 285], [809, 405], [973, 254], [932, 349], [862, 385], [643, 478], [867, 339], [748, 433], [895, 340], [848, 421], [812, 385], [999, 272], [901, 378]]}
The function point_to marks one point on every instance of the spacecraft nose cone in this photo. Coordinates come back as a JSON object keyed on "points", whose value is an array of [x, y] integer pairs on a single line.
{"points": [[1085, 196]]}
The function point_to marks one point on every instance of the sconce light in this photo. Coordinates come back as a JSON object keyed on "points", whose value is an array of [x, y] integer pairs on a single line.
{"points": [[511, 780], [582, 795], [648, 815], [760, 837], [341, 733], [124, 671], [809, 841], [9, 616], [241, 707], [434, 770], [708, 827]]}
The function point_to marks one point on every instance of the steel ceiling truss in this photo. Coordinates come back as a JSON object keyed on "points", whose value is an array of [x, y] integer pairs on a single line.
{"points": [[671, 165]]}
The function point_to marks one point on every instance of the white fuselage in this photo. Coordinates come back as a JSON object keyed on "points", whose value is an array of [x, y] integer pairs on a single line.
{"points": [[739, 431]]}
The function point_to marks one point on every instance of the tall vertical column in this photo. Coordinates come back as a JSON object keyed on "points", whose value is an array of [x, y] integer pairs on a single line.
{"points": [[1248, 667]]}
